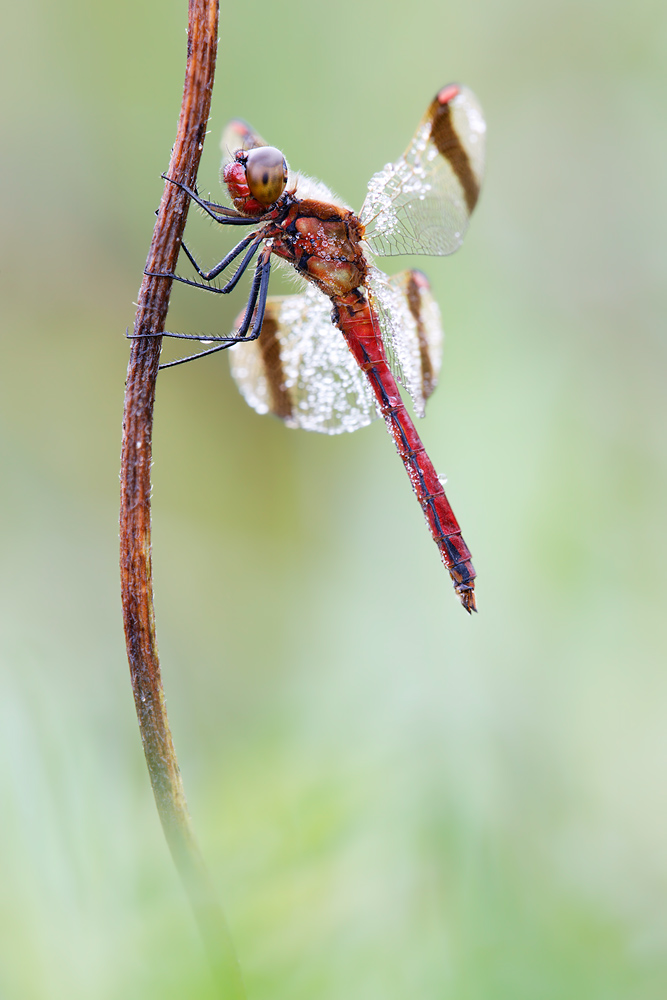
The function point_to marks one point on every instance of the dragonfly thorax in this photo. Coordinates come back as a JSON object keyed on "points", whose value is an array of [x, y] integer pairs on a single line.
{"points": [[323, 243]]}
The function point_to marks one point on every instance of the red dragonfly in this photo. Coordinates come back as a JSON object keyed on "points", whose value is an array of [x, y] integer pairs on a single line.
{"points": [[336, 369]]}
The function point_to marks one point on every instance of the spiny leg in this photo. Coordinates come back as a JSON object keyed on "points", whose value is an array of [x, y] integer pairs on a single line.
{"points": [[252, 239], [220, 214], [257, 298], [258, 289], [226, 261]]}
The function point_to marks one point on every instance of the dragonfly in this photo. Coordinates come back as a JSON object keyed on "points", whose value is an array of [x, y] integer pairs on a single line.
{"points": [[331, 358]]}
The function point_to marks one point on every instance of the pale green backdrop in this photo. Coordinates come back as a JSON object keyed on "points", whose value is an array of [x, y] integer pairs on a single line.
{"points": [[395, 800]]}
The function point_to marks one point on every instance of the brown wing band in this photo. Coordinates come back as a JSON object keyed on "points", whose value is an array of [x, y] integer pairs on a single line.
{"points": [[414, 298], [449, 145], [280, 402]]}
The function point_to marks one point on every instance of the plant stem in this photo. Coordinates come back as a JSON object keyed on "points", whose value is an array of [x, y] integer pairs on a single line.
{"points": [[135, 558]]}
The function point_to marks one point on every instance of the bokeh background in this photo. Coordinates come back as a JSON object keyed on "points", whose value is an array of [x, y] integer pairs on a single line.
{"points": [[395, 800]]}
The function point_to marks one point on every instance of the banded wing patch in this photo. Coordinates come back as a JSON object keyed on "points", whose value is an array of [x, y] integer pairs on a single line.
{"points": [[411, 330], [421, 204], [300, 368]]}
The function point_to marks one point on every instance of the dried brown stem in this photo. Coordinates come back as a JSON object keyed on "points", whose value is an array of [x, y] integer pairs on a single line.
{"points": [[135, 559]]}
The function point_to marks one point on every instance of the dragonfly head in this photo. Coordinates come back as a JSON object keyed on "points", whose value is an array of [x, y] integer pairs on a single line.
{"points": [[256, 178]]}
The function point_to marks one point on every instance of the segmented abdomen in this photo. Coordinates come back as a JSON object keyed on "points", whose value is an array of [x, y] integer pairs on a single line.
{"points": [[355, 319]]}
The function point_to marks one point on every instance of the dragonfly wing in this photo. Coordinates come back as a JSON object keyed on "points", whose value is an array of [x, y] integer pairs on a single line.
{"points": [[411, 330], [301, 370], [238, 135], [421, 204]]}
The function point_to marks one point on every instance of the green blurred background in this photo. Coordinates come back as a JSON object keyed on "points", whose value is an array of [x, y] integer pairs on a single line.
{"points": [[395, 800]]}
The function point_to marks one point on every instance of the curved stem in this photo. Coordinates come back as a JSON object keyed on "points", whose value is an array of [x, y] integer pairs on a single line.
{"points": [[135, 560]]}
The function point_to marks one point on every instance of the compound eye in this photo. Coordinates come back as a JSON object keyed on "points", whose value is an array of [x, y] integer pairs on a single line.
{"points": [[266, 173]]}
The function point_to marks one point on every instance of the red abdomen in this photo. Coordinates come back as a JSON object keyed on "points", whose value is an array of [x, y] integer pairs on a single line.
{"points": [[360, 329]]}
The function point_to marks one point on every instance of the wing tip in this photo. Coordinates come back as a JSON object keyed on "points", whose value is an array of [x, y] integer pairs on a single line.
{"points": [[448, 93]]}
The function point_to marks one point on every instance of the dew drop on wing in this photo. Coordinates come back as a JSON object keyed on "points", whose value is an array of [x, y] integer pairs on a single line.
{"points": [[329, 391]]}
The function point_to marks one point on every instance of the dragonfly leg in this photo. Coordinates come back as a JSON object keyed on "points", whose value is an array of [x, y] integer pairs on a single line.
{"points": [[255, 243], [226, 261], [200, 354], [258, 293], [256, 305], [219, 213]]}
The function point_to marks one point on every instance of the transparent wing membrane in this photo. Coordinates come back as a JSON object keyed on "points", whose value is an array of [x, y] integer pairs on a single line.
{"points": [[421, 204], [411, 331], [301, 370]]}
